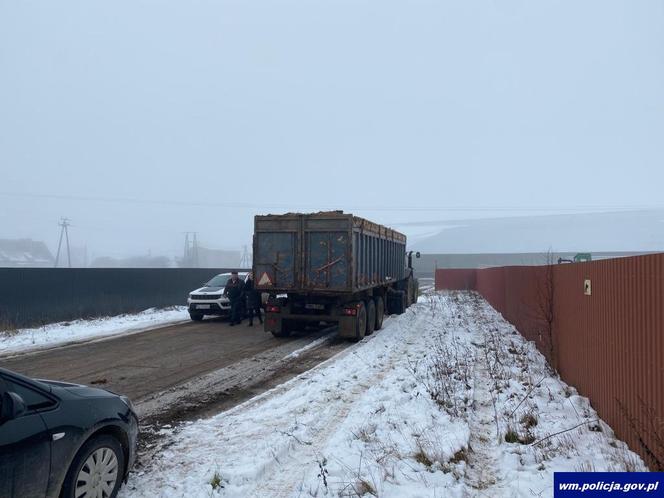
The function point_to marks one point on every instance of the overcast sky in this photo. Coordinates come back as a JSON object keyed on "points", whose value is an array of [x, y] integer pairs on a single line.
{"points": [[141, 120]]}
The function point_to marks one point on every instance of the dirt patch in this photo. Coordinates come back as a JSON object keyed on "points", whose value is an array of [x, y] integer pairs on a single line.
{"points": [[163, 413]]}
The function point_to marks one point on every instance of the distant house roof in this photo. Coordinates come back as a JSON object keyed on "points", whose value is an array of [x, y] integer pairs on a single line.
{"points": [[24, 252]]}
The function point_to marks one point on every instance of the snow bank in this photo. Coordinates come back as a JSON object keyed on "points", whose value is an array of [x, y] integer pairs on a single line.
{"points": [[78, 330], [446, 400]]}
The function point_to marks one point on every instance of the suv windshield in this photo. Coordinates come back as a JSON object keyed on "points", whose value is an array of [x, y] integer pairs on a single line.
{"points": [[219, 280]]}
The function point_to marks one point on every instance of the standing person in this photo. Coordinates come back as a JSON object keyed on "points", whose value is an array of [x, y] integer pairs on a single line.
{"points": [[234, 290], [253, 300]]}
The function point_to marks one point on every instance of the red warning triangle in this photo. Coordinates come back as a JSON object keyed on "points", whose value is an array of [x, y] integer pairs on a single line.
{"points": [[265, 279]]}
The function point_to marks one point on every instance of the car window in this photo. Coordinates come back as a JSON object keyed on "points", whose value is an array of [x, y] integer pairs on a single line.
{"points": [[34, 400], [219, 280]]}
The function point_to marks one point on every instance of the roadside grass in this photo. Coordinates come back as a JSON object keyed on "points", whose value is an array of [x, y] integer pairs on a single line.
{"points": [[447, 375], [357, 483], [216, 482], [516, 388], [8, 326]]}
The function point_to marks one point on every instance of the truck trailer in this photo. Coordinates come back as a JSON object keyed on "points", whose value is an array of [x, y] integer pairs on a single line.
{"points": [[330, 267]]}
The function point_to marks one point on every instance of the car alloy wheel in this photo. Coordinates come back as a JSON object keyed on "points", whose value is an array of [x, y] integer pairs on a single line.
{"points": [[98, 475]]}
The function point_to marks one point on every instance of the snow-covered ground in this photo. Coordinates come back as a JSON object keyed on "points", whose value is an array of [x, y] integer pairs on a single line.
{"points": [[427, 284], [447, 400], [79, 330]]}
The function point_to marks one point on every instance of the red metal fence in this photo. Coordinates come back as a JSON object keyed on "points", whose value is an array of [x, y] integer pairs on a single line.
{"points": [[453, 279], [601, 324]]}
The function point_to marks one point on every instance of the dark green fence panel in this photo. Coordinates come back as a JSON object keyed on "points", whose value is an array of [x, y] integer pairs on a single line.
{"points": [[36, 296]]}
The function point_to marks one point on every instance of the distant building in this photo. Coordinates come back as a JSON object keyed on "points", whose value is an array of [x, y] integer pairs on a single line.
{"points": [[427, 263], [25, 253], [212, 258]]}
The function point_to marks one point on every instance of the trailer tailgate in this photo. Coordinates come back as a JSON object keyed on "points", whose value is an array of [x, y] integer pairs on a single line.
{"points": [[275, 260]]}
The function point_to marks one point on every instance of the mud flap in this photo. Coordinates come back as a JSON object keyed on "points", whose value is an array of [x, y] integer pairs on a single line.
{"points": [[347, 327]]}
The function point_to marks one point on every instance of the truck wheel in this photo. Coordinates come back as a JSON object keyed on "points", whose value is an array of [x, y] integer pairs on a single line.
{"points": [[414, 290], [197, 317], [360, 322], [285, 330], [380, 312], [398, 302], [411, 292], [299, 325], [371, 316]]}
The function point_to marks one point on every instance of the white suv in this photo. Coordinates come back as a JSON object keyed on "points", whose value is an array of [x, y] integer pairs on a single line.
{"points": [[210, 299]]}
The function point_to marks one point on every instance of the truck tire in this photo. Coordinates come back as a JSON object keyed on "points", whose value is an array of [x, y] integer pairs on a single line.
{"points": [[371, 316], [285, 330], [360, 322], [411, 291], [398, 302], [380, 312]]}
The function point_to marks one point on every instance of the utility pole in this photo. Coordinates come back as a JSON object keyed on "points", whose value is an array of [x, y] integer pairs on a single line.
{"points": [[191, 249], [63, 224], [245, 261], [185, 257], [196, 265]]}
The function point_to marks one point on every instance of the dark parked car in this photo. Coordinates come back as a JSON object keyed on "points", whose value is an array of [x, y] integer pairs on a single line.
{"points": [[63, 440]]}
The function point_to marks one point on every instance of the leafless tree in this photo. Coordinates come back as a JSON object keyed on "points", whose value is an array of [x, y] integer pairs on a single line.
{"points": [[545, 307]]}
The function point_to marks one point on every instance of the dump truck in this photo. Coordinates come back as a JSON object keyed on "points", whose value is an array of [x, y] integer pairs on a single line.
{"points": [[330, 267]]}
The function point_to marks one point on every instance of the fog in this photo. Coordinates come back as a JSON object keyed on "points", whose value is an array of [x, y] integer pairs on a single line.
{"points": [[143, 120]]}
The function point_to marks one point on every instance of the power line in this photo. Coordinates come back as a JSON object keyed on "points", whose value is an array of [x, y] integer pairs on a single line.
{"points": [[372, 208]]}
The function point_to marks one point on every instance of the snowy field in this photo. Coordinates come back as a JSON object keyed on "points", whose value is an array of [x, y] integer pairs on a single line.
{"points": [[448, 400], [56, 334]]}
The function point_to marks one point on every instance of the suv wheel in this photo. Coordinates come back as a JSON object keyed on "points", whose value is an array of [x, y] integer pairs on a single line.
{"points": [[197, 317], [97, 470]]}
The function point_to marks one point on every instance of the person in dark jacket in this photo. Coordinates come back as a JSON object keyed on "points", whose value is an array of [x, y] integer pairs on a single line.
{"points": [[234, 290], [253, 300]]}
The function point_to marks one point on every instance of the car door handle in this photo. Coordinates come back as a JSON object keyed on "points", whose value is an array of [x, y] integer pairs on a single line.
{"points": [[58, 435]]}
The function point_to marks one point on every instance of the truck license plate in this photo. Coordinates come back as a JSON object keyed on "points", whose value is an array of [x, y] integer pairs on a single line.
{"points": [[312, 306], [202, 306]]}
